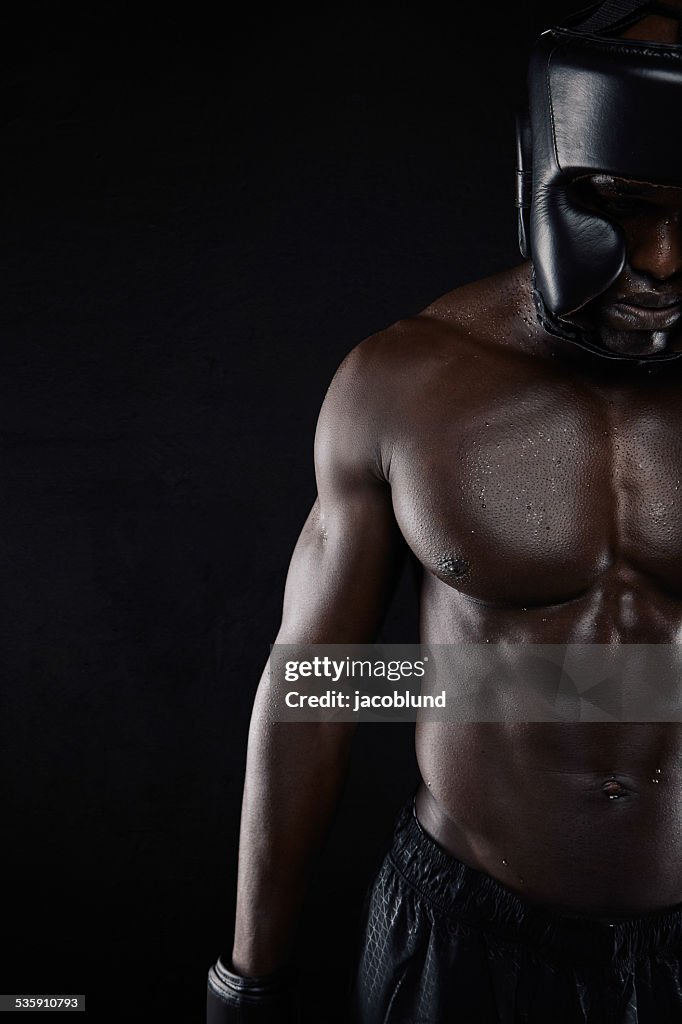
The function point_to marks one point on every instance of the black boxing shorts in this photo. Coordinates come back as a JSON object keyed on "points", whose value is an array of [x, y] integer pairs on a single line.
{"points": [[446, 944]]}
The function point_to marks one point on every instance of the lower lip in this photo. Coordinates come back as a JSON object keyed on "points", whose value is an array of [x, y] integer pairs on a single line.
{"points": [[646, 317]]}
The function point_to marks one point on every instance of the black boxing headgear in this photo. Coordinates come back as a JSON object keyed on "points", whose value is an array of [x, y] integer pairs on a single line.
{"points": [[597, 104]]}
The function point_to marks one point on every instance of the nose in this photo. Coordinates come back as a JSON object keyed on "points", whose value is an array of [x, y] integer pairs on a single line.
{"points": [[655, 247]]}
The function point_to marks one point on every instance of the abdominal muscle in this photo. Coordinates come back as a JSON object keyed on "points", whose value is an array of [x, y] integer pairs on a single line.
{"points": [[585, 817]]}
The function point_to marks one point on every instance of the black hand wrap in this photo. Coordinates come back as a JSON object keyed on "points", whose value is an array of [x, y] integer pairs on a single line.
{"points": [[233, 999]]}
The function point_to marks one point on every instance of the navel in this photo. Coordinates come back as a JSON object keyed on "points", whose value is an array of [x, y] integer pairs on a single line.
{"points": [[613, 790]]}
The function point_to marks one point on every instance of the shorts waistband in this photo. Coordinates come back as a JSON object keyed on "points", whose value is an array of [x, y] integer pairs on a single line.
{"points": [[479, 901]]}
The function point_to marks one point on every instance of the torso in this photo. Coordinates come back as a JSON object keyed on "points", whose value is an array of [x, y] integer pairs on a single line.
{"points": [[542, 496]]}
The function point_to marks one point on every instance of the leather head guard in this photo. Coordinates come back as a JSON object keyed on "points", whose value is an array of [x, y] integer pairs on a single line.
{"points": [[597, 104]]}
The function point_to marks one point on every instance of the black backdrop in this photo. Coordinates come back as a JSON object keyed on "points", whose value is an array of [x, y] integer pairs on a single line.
{"points": [[200, 219]]}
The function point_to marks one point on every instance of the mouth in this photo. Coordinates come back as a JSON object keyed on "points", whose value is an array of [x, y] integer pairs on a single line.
{"points": [[647, 311]]}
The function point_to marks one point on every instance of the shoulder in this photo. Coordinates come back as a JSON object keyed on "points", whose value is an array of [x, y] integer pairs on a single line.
{"points": [[381, 380], [489, 309], [482, 316]]}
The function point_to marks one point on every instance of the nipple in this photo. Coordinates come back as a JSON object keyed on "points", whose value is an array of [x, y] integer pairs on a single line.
{"points": [[452, 565], [613, 789]]}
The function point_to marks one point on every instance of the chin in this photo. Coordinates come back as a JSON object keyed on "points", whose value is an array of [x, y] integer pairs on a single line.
{"points": [[617, 332], [639, 343], [643, 343]]}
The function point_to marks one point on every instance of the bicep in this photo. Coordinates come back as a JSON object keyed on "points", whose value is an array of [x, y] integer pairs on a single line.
{"points": [[342, 573], [348, 555]]}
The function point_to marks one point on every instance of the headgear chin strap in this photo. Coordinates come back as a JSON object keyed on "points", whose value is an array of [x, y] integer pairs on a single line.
{"points": [[597, 104]]}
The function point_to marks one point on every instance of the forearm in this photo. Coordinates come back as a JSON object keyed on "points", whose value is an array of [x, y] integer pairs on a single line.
{"points": [[294, 779]]}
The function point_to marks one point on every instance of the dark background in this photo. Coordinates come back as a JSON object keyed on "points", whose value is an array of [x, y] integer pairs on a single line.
{"points": [[200, 219]]}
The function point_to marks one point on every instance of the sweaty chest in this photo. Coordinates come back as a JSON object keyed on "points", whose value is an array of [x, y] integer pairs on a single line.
{"points": [[534, 497]]}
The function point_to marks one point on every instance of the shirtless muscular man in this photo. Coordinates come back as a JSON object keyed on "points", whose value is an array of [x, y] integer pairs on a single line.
{"points": [[536, 875]]}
